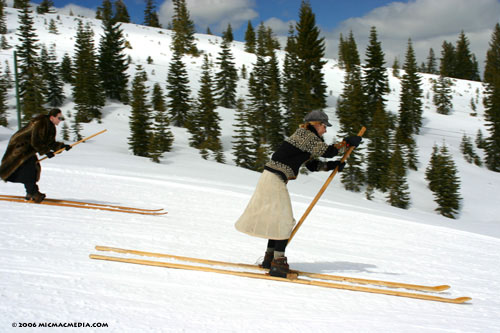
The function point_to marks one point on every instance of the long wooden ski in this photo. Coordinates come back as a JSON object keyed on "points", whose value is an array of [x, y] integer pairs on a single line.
{"points": [[264, 276], [82, 206], [300, 273]]}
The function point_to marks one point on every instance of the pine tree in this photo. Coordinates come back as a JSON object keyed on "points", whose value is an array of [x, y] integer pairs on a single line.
{"points": [[150, 15], [112, 61], [441, 174], [121, 12], [44, 7], [242, 144], [226, 78], [447, 66], [76, 128], [465, 67], [105, 12], [162, 138], [4, 84], [398, 194], [250, 40], [378, 151], [3, 23], [204, 125], [467, 149], [65, 131], [442, 95], [140, 118], [227, 35], [492, 101], [396, 68], [53, 27], [375, 81], [87, 87], [54, 92], [30, 81], [480, 142], [178, 91], [66, 69], [311, 50], [183, 41], [431, 65], [410, 108]]}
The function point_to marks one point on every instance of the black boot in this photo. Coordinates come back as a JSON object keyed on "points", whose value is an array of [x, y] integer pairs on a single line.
{"points": [[279, 267], [268, 258], [36, 197]]}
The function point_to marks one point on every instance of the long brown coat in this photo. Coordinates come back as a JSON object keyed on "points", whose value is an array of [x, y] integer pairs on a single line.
{"points": [[38, 136]]}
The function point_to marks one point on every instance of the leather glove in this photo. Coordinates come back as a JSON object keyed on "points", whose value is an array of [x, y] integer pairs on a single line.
{"points": [[67, 147], [50, 154], [352, 141], [331, 165]]}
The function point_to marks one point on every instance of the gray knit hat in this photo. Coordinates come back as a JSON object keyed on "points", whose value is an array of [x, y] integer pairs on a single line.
{"points": [[317, 115]]}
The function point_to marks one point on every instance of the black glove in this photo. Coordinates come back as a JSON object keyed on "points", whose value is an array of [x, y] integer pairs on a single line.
{"points": [[67, 147], [50, 154], [352, 141], [331, 165]]}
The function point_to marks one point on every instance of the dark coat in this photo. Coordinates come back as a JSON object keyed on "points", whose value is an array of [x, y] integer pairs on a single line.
{"points": [[38, 136], [302, 146]]}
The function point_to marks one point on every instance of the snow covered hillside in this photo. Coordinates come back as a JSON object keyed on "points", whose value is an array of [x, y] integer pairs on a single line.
{"points": [[46, 275]]}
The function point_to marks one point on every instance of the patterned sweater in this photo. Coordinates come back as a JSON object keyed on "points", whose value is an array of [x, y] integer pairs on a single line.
{"points": [[305, 145]]}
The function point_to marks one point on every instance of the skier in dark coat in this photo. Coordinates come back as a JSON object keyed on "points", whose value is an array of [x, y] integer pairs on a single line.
{"points": [[269, 213], [20, 163]]}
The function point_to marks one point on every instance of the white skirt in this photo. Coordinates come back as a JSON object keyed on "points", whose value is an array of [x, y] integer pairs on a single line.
{"points": [[269, 213]]}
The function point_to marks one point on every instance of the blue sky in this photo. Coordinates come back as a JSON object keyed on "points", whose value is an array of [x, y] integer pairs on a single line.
{"points": [[427, 22]]}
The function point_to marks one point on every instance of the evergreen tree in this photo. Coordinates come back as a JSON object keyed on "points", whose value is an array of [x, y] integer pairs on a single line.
{"points": [[465, 67], [204, 125], [66, 69], [410, 108], [54, 92], [242, 144], [150, 15], [250, 40], [3, 23], [447, 67], [292, 91], [76, 128], [162, 137], [378, 151], [442, 95], [121, 12], [4, 84], [4, 45], [352, 55], [105, 12], [65, 131], [112, 61], [395, 68], [398, 194], [227, 35], [480, 142], [45, 6], [226, 78], [53, 27], [87, 86], [140, 118], [18, 4], [492, 101], [467, 149], [441, 173], [311, 50], [30, 81], [178, 91], [183, 39], [431, 65], [375, 81]]}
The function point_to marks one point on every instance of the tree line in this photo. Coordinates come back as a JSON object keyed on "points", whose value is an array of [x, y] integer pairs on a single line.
{"points": [[277, 100]]}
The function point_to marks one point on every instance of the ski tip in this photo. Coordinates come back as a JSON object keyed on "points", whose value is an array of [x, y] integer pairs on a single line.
{"points": [[441, 288], [463, 299]]}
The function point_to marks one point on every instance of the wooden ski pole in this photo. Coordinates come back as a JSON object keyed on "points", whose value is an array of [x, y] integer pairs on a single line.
{"points": [[74, 144], [320, 193]]}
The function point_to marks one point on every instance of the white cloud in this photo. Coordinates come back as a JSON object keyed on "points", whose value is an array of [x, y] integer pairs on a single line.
{"points": [[427, 22], [278, 26], [214, 13]]}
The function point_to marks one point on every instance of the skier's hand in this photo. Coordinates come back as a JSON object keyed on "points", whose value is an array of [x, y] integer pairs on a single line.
{"points": [[67, 147], [50, 154], [331, 165], [353, 141]]}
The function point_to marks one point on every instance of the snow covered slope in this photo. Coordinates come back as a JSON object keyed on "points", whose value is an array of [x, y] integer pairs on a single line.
{"points": [[46, 275]]}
